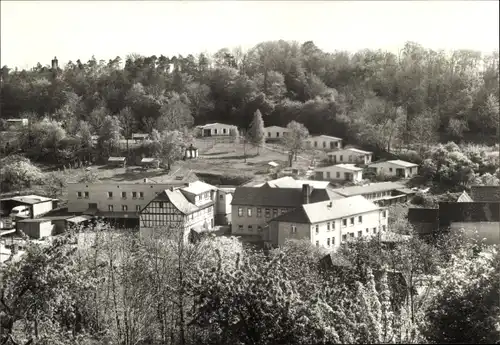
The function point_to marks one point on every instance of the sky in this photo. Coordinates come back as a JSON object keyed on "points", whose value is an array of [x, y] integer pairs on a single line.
{"points": [[36, 31]]}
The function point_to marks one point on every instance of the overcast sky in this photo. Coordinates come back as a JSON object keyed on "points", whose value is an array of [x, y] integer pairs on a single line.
{"points": [[33, 31]]}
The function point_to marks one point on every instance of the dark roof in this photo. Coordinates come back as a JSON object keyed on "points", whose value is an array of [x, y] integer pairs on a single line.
{"points": [[468, 212], [485, 193], [423, 215], [277, 197], [335, 260]]}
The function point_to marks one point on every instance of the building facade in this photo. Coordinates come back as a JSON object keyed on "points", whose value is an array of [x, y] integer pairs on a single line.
{"points": [[253, 208], [215, 129], [339, 172], [323, 142], [329, 223], [397, 168], [275, 132], [350, 155], [381, 193], [223, 205]]}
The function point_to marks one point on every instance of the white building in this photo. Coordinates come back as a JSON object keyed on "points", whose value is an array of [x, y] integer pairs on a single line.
{"points": [[275, 132], [340, 172], [329, 223], [323, 142], [381, 193], [186, 209], [223, 205], [397, 168], [350, 155], [215, 129]]}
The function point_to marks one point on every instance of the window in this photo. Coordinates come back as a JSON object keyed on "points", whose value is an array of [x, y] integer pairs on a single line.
{"points": [[333, 225], [137, 208], [134, 195], [390, 169], [268, 212], [352, 220], [383, 227], [224, 131], [240, 211], [344, 222], [384, 213], [250, 228], [275, 212], [240, 227], [259, 228], [277, 134], [141, 195], [294, 229], [221, 197], [317, 229], [367, 230], [215, 131], [315, 144], [327, 174], [374, 230], [110, 195], [79, 195], [283, 211], [317, 243], [124, 195], [333, 241], [360, 233], [360, 219], [324, 144], [110, 208], [328, 242], [351, 234], [269, 134], [249, 212], [259, 212], [350, 158], [341, 158], [86, 195], [328, 226], [338, 174], [124, 208], [344, 237], [160, 205]]}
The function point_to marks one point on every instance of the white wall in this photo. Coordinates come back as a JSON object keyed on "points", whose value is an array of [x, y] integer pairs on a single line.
{"points": [[310, 143], [356, 175], [350, 157], [385, 168], [42, 208]]}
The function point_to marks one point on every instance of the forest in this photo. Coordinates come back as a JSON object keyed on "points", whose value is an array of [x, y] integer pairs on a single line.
{"points": [[372, 98], [107, 287]]}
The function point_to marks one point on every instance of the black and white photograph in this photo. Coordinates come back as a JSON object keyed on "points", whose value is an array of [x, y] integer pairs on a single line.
{"points": [[233, 172]]}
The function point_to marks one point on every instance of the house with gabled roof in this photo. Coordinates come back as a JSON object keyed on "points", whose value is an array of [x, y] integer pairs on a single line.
{"points": [[187, 208], [253, 208], [329, 223], [397, 168], [350, 155], [323, 142]]}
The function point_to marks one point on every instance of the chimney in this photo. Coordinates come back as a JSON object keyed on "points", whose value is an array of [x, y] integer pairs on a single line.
{"points": [[306, 194]]}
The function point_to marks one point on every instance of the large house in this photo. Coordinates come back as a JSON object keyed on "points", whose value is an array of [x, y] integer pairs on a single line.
{"points": [[329, 223], [350, 155], [253, 208], [339, 172], [275, 132], [381, 193], [397, 168], [323, 142], [187, 208], [215, 129]]}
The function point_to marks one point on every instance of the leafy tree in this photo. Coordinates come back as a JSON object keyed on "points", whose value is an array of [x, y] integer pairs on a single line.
{"points": [[127, 119], [174, 115], [17, 172], [256, 132], [170, 147], [109, 134], [295, 138]]}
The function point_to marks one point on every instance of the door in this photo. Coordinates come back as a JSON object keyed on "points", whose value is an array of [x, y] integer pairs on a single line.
{"points": [[334, 158]]}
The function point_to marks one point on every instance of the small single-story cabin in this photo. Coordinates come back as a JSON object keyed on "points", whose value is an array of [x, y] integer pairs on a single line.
{"points": [[339, 172], [323, 142], [215, 129], [152, 163], [16, 124], [350, 155], [396, 168], [139, 137], [37, 205], [275, 132], [117, 162]]}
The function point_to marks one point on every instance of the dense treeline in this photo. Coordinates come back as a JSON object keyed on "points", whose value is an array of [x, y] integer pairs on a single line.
{"points": [[115, 288], [373, 98]]}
